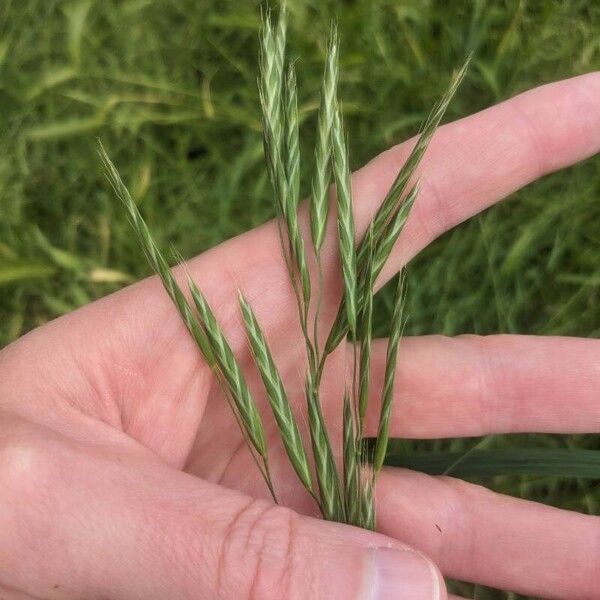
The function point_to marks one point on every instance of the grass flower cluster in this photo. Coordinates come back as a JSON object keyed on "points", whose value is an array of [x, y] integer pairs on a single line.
{"points": [[343, 493]]}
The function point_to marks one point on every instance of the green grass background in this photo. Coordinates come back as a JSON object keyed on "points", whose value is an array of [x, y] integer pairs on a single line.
{"points": [[170, 87]]}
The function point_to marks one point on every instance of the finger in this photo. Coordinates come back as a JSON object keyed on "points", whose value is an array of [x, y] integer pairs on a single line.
{"points": [[77, 524], [477, 535], [477, 161], [470, 164], [476, 385]]}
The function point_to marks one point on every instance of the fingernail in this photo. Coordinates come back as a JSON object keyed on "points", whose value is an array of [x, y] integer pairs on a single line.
{"points": [[401, 575]]}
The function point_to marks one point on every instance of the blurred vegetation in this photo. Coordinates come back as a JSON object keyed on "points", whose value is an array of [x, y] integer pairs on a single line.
{"points": [[170, 87]]}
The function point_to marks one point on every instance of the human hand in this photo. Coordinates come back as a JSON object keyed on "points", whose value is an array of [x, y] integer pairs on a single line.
{"points": [[123, 474]]}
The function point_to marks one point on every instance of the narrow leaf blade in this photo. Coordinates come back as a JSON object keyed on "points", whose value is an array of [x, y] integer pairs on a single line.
{"points": [[541, 462]]}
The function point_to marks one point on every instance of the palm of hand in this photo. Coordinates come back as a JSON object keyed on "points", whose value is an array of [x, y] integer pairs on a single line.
{"points": [[199, 431]]}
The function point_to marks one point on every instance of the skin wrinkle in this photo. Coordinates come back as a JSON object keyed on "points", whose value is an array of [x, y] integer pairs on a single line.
{"points": [[508, 415], [435, 215], [487, 392], [227, 538], [143, 372], [240, 449], [178, 457], [214, 391], [109, 360], [535, 140], [258, 568], [256, 521], [135, 416], [127, 375], [127, 416], [496, 416], [119, 336], [524, 386], [594, 576], [101, 394], [287, 551], [194, 518], [459, 519], [17, 595]]}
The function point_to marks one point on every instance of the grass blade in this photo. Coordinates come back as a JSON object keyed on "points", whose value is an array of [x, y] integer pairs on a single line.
{"points": [[288, 428], [18, 270], [390, 373], [540, 462]]}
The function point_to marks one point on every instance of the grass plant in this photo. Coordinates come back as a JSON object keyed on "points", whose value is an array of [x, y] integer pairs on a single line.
{"points": [[202, 326], [347, 496]]}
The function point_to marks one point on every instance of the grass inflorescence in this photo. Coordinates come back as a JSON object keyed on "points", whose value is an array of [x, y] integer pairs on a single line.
{"points": [[282, 410], [343, 494], [203, 327]]}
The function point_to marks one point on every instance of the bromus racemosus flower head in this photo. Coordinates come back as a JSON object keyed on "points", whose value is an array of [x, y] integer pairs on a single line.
{"points": [[344, 493], [277, 396]]}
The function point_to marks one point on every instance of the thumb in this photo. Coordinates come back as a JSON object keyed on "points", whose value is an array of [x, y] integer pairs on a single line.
{"points": [[263, 551], [199, 540], [132, 530]]}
